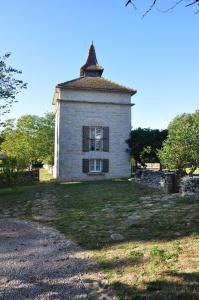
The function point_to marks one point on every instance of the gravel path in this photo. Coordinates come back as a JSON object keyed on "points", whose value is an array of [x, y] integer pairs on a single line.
{"points": [[37, 262]]}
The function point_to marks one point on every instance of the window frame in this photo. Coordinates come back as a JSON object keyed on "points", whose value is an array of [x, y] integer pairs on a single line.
{"points": [[95, 170], [95, 139]]}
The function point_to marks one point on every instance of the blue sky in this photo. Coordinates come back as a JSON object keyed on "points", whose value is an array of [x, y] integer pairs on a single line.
{"points": [[157, 55]]}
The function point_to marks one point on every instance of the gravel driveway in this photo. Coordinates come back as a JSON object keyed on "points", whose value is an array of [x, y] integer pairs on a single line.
{"points": [[38, 262]]}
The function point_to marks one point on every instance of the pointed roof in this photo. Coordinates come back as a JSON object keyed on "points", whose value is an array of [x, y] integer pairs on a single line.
{"points": [[91, 67], [91, 79]]}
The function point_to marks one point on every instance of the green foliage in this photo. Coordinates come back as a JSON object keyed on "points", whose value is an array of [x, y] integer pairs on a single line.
{"points": [[8, 168], [45, 139], [30, 139], [159, 255], [177, 247], [144, 144], [136, 255], [9, 85], [180, 149]]}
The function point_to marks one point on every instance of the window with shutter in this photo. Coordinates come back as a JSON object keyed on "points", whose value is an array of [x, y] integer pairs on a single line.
{"points": [[106, 139], [85, 165], [95, 165], [85, 139], [96, 139], [105, 165]]}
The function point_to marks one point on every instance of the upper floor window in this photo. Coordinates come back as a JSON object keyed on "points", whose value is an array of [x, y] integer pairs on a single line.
{"points": [[95, 139]]}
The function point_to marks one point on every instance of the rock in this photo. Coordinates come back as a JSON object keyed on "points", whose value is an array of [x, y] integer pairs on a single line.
{"points": [[191, 196], [156, 196], [107, 210], [145, 198], [166, 205], [177, 233], [117, 237], [134, 217], [148, 205], [44, 218], [168, 197]]}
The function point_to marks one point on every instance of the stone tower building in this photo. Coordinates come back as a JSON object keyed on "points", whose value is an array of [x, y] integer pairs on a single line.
{"points": [[93, 121]]}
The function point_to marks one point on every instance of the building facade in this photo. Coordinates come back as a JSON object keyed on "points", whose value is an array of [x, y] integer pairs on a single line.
{"points": [[93, 121]]}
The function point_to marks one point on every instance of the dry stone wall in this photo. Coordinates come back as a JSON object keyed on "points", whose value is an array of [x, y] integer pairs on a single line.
{"points": [[169, 182], [189, 186], [149, 177], [166, 181]]}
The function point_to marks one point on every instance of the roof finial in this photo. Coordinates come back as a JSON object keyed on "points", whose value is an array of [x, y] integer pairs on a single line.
{"points": [[91, 67]]}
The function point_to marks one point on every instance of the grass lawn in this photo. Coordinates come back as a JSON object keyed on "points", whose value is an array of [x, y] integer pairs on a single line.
{"points": [[44, 175], [147, 243]]}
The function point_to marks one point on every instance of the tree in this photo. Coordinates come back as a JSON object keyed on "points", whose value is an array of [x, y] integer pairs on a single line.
{"points": [[170, 7], [46, 138], [9, 85], [30, 139], [144, 144], [181, 148]]}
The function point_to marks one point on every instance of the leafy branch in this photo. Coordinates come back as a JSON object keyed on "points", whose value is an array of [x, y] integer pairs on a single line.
{"points": [[9, 85]]}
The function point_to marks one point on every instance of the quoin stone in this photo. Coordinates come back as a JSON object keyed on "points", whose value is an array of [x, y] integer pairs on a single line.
{"points": [[93, 121]]}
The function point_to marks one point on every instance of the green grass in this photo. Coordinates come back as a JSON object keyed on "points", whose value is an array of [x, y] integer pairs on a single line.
{"points": [[158, 255], [44, 175]]}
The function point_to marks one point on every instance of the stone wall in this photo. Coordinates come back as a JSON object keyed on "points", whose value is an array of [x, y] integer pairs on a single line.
{"points": [[165, 181], [149, 177], [169, 182], [189, 186], [20, 178]]}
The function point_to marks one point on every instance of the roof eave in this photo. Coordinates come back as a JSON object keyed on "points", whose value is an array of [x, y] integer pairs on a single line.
{"points": [[131, 92]]}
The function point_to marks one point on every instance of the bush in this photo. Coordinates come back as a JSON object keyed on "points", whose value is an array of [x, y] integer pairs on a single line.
{"points": [[9, 169]]}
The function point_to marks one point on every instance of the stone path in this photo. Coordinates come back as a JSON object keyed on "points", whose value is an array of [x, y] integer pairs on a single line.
{"points": [[37, 262], [44, 205]]}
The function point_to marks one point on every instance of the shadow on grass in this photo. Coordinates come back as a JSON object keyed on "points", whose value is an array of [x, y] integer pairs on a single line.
{"points": [[82, 211], [91, 211], [118, 263], [184, 287]]}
